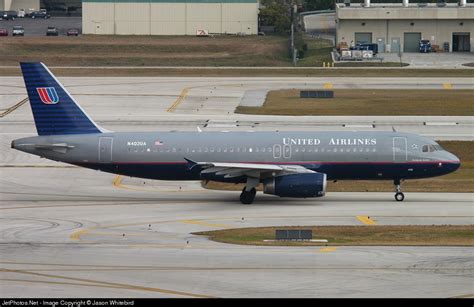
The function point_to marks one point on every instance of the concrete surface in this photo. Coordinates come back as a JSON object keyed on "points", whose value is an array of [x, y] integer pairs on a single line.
{"points": [[72, 232], [185, 103], [431, 60]]}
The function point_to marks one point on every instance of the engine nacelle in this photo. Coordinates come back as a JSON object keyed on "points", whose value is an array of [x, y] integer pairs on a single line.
{"points": [[297, 185]]}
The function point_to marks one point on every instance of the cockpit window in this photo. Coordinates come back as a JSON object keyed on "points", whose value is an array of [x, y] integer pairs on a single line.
{"points": [[432, 148]]}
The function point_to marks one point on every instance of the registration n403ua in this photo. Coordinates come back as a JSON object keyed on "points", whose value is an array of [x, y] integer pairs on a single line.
{"points": [[288, 164]]}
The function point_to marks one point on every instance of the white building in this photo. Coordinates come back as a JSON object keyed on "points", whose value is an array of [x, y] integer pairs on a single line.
{"points": [[401, 26]]}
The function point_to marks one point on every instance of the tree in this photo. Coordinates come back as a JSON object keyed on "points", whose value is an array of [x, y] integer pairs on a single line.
{"points": [[318, 5], [276, 13]]}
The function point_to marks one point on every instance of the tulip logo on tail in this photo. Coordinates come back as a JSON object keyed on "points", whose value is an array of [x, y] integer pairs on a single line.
{"points": [[48, 95]]}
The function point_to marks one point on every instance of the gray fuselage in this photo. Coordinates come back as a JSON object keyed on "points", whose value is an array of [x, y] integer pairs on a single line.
{"points": [[162, 155]]}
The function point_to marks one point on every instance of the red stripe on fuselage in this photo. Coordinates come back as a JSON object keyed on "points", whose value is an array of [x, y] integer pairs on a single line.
{"points": [[301, 163]]}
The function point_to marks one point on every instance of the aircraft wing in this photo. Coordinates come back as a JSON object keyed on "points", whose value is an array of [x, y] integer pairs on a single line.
{"points": [[256, 170]]}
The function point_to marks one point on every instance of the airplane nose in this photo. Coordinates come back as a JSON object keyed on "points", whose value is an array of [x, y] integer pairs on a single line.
{"points": [[455, 161]]}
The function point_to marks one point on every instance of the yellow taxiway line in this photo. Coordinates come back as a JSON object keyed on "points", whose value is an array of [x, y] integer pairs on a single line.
{"points": [[328, 86], [447, 86], [327, 249], [179, 100], [14, 107], [366, 220], [97, 283]]}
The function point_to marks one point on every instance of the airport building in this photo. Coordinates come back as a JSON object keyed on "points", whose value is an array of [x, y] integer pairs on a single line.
{"points": [[169, 17], [398, 27], [16, 5]]}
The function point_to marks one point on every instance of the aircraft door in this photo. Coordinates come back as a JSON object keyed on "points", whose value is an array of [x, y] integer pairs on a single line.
{"points": [[276, 151], [287, 151], [105, 149], [399, 149]]}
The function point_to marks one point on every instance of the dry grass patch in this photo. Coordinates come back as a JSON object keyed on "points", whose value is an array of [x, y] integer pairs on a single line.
{"points": [[90, 50], [432, 235], [155, 71], [368, 102]]}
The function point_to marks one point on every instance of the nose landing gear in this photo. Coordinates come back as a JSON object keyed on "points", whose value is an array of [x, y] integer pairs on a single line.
{"points": [[399, 196]]}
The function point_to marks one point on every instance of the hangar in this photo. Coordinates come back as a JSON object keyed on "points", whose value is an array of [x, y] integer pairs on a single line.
{"points": [[398, 27], [169, 17]]}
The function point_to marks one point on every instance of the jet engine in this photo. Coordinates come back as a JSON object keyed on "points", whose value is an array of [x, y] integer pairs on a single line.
{"points": [[296, 185]]}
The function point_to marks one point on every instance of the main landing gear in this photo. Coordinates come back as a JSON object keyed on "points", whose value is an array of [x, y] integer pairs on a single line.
{"points": [[399, 196], [247, 197], [248, 193]]}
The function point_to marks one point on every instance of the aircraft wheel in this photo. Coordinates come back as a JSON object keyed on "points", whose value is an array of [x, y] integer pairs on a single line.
{"points": [[399, 196], [247, 197]]}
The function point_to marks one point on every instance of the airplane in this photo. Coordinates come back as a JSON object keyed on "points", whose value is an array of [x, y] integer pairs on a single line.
{"points": [[288, 164]]}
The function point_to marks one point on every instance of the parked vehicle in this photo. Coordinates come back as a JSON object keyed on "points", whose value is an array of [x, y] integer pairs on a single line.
{"points": [[8, 15], [18, 31], [425, 46], [365, 46], [21, 13], [3, 32], [72, 32], [38, 14], [52, 31]]}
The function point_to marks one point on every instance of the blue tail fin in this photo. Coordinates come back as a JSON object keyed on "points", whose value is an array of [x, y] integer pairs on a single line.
{"points": [[54, 109]]}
